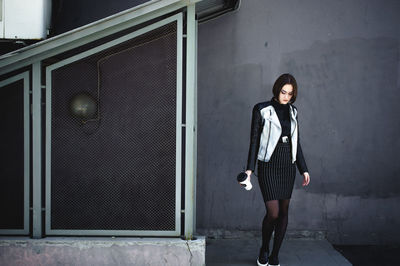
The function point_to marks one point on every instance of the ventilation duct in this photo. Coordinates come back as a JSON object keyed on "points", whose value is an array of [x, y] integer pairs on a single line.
{"points": [[23, 19]]}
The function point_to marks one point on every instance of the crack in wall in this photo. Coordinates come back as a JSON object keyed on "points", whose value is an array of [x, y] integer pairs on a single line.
{"points": [[191, 254]]}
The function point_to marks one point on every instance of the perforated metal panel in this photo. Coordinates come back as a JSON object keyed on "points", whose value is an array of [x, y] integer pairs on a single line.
{"points": [[118, 171], [14, 155]]}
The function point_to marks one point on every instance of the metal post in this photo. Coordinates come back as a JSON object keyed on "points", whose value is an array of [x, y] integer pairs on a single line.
{"points": [[36, 150], [195, 135], [190, 149]]}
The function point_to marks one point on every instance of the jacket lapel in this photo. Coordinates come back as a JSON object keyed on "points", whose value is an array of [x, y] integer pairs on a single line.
{"points": [[293, 120], [275, 119]]}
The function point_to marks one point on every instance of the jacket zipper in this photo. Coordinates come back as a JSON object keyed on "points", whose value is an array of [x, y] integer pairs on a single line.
{"points": [[269, 133]]}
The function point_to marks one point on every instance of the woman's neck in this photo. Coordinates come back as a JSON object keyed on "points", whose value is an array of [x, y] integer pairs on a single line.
{"points": [[274, 100]]}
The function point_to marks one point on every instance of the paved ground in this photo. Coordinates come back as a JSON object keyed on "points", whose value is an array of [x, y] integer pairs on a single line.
{"points": [[293, 252]]}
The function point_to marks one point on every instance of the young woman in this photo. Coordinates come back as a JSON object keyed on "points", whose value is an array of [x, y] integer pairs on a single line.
{"points": [[275, 143]]}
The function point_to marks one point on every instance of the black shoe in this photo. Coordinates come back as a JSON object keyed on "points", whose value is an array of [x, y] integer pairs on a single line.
{"points": [[262, 258], [273, 261]]}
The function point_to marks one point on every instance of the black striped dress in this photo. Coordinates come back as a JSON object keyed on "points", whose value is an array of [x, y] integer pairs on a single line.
{"points": [[276, 177]]}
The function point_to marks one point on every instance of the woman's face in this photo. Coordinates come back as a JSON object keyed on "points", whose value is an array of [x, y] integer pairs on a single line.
{"points": [[286, 94]]}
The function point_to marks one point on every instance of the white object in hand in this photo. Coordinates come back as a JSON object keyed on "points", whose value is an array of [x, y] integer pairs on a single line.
{"points": [[247, 184]]}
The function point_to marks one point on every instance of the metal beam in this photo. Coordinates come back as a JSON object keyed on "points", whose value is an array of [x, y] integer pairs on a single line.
{"points": [[88, 33], [190, 154], [37, 150], [195, 135]]}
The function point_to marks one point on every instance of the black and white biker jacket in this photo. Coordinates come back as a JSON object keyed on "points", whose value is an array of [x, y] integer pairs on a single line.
{"points": [[265, 133]]}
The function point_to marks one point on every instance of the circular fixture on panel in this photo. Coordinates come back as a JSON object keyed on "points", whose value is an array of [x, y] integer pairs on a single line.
{"points": [[83, 106]]}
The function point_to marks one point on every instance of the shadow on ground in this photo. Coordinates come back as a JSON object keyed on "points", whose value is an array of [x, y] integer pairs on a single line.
{"points": [[371, 254]]}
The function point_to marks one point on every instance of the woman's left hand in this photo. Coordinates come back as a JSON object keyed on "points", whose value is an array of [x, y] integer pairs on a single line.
{"points": [[306, 180]]}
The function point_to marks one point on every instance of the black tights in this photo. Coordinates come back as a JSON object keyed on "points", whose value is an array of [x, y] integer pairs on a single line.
{"points": [[276, 218]]}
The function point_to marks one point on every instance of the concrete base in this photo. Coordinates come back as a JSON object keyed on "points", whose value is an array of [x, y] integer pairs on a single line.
{"points": [[101, 251]]}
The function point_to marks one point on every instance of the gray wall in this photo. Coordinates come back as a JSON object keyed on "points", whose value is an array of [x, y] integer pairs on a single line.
{"points": [[345, 56]]}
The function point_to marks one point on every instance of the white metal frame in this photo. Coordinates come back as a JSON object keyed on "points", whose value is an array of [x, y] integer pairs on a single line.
{"points": [[37, 150], [191, 123], [88, 33], [25, 77], [178, 18], [31, 56]]}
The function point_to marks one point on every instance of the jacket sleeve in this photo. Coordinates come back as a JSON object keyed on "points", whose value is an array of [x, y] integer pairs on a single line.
{"points": [[255, 133], [300, 161]]}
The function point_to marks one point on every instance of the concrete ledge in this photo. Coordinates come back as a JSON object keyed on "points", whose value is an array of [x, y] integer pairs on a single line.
{"points": [[101, 251]]}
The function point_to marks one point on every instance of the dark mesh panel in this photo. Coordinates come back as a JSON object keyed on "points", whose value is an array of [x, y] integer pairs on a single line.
{"points": [[117, 173], [12, 156]]}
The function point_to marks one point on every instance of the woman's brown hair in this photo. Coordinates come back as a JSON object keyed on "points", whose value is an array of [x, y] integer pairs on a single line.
{"points": [[282, 81]]}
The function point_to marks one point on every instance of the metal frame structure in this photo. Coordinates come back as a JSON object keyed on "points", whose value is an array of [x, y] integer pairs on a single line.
{"points": [[88, 33], [176, 232], [33, 56], [49, 69], [25, 77], [191, 124]]}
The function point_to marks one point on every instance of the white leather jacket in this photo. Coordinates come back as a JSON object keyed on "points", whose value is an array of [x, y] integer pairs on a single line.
{"points": [[272, 131]]}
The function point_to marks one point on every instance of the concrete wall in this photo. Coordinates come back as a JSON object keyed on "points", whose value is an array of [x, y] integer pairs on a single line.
{"points": [[345, 56], [102, 251]]}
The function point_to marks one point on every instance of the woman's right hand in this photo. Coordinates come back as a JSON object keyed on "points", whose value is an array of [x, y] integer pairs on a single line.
{"points": [[246, 183], [249, 172]]}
